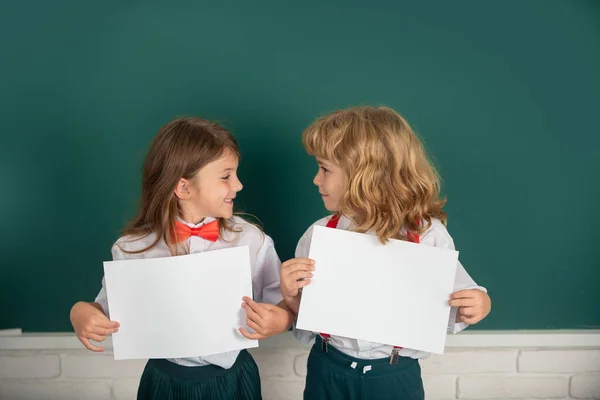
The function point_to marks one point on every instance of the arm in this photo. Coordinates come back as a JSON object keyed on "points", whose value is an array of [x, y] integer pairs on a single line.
{"points": [[302, 251], [268, 315], [469, 302], [90, 323], [295, 274], [90, 320], [266, 319]]}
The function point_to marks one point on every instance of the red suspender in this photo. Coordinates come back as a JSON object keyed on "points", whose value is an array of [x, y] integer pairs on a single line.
{"points": [[326, 337], [333, 221]]}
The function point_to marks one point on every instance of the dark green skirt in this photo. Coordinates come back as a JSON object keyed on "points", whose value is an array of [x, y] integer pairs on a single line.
{"points": [[332, 375], [164, 380]]}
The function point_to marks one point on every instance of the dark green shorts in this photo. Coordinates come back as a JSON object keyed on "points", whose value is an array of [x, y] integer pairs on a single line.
{"points": [[331, 376]]}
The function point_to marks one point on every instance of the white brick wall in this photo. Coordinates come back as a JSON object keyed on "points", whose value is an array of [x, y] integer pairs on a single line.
{"points": [[46, 368], [29, 365], [513, 387], [55, 390], [439, 387], [585, 386], [567, 361], [471, 362], [89, 365]]}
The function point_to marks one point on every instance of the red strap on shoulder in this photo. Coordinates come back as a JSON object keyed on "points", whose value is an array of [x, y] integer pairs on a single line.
{"points": [[412, 237], [333, 221]]}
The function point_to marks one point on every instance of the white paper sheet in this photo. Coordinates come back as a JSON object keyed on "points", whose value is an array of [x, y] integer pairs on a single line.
{"points": [[182, 306], [395, 294]]}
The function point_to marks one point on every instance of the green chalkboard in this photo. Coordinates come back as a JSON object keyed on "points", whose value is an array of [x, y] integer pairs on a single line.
{"points": [[505, 95]]}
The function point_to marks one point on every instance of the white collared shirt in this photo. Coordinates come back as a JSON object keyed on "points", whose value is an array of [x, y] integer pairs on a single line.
{"points": [[264, 262], [436, 236]]}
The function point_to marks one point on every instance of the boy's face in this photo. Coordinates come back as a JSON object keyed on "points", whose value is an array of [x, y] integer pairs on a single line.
{"points": [[332, 182]]}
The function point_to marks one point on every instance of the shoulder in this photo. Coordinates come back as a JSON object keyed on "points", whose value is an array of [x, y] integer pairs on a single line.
{"points": [[320, 222], [247, 233], [135, 243], [437, 235], [131, 246], [246, 229], [303, 246]]}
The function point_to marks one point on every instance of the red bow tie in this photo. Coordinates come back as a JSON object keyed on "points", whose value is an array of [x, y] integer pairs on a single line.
{"points": [[208, 231]]}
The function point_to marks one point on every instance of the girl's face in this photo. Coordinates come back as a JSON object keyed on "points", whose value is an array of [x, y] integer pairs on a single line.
{"points": [[211, 191], [332, 182]]}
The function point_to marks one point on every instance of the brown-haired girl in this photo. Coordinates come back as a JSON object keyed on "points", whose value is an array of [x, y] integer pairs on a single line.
{"points": [[188, 189]]}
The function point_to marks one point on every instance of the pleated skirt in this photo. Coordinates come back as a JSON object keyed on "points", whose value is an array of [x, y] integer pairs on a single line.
{"points": [[164, 380]]}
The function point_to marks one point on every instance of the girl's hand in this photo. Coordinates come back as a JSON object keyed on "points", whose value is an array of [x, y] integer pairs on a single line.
{"points": [[473, 305], [265, 319], [295, 274], [91, 323]]}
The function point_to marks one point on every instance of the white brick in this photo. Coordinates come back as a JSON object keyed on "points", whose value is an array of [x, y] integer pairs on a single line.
{"points": [[30, 366], [54, 390], [439, 387], [471, 362], [559, 361], [585, 386], [512, 387], [125, 389], [100, 366], [300, 364], [277, 389], [273, 362]]}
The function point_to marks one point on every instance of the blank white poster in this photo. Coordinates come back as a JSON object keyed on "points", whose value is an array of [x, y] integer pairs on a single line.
{"points": [[183, 306], [394, 294]]}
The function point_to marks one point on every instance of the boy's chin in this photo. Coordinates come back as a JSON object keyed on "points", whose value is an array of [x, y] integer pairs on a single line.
{"points": [[331, 209]]}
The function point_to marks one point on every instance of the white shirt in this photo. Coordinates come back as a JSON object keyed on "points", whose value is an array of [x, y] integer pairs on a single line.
{"points": [[264, 262], [436, 236]]}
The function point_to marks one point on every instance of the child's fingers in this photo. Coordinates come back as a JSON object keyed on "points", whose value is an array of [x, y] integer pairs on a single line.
{"points": [[468, 311], [299, 275], [461, 294], [251, 336], [301, 284], [251, 314], [105, 323], [267, 306], [256, 307], [89, 345], [253, 325], [96, 337], [461, 302], [470, 320], [103, 331], [297, 261], [293, 268]]}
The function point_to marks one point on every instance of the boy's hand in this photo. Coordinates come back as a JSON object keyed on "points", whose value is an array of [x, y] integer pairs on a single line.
{"points": [[473, 305], [91, 323], [295, 274], [265, 319]]}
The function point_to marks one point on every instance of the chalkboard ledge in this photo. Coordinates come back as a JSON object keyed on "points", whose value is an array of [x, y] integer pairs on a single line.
{"points": [[14, 340]]}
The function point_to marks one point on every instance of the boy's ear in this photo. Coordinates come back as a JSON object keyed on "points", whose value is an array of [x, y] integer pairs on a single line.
{"points": [[182, 190]]}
